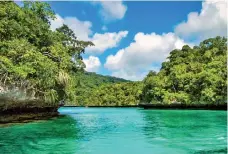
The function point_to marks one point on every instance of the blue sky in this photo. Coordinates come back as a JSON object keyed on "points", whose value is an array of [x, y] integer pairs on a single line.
{"points": [[132, 38]]}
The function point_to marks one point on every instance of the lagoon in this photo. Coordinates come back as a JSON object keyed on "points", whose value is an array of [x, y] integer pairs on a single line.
{"points": [[119, 130]]}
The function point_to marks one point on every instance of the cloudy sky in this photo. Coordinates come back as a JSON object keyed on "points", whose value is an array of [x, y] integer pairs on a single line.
{"points": [[132, 38]]}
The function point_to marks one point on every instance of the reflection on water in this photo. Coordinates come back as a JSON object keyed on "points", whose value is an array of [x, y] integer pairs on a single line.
{"points": [[119, 130]]}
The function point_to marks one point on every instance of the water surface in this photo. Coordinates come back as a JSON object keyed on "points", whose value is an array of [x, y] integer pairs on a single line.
{"points": [[119, 131]]}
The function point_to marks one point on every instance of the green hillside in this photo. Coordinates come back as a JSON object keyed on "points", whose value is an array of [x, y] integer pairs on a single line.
{"points": [[86, 82]]}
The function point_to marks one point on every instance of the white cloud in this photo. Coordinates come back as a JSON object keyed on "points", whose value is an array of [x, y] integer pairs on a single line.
{"points": [[138, 58], [82, 30], [134, 61], [133, 76], [105, 41], [104, 28], [112, 10], [57, 22], [210, 22], [92, 64]]}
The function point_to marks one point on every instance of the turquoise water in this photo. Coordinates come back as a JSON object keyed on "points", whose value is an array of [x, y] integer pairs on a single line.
{"points": [[119, 131]]}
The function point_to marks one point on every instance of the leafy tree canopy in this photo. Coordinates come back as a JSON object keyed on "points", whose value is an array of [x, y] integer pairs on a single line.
{"points": [[35, 58]]}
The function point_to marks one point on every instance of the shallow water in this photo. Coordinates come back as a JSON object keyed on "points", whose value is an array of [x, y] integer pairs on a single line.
{"points": [[119, 131]]}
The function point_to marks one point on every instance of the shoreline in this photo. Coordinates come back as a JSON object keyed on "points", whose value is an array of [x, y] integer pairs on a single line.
{"points": [[131, 106], [26, 117], [13, 110], [27, 114], [23, 115], [165, 107], [184, 107]]}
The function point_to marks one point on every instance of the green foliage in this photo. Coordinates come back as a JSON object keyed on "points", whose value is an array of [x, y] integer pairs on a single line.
{"points": [[191, 75], [35, 58], [47, 65], [86, 82], [119, 94]]}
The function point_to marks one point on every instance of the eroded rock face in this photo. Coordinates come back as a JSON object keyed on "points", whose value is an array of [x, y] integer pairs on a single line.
{"points": [[17, 106]]}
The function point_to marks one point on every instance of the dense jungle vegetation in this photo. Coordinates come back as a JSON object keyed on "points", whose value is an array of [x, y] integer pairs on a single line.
{"points": [[118, 94], [86, 82], [195, 75], [191, 75], [41, 63], [47, 65]]}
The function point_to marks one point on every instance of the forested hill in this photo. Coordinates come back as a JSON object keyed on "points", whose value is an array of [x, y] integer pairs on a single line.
{"points": [[44, 65], [90, 79], [86, 82], [190, 76]]}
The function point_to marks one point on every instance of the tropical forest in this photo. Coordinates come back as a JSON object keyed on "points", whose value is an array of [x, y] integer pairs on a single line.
{"points": [[43, 74], [44, 65]]}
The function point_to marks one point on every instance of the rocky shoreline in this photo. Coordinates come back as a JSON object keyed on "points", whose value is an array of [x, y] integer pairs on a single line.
{"points": [[15, 115], [14, 110], [185, 107], [26, 117]]}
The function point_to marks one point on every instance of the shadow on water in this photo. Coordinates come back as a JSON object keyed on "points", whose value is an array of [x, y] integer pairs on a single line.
{"points": [[216, 151], [50, 136]]}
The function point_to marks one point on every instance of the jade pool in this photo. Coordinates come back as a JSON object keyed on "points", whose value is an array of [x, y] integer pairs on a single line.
{"points": [[119, 131]]}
